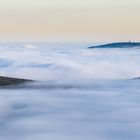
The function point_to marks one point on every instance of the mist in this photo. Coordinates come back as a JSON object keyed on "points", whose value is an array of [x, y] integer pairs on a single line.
{"points": [[77, 94], [68, 62]]}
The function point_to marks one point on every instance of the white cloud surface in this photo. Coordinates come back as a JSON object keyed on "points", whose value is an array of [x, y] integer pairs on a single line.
{"points": [[74, 102]]}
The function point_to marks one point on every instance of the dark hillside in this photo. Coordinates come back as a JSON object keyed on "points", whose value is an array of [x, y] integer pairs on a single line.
{"points": [[118, 45], [6, 81]]}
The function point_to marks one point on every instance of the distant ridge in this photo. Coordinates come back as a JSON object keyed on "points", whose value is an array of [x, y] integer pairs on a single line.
{"points": [[7, 81], [118, 45]]}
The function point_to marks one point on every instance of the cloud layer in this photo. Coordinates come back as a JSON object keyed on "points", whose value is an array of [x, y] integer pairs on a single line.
{"points": [[107, 111], [47, 62], [80, 96]]}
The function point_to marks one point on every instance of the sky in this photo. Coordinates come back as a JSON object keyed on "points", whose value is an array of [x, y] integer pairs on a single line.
{"points": [[69, 20]]}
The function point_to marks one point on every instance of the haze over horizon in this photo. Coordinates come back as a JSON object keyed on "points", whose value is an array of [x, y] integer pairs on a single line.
{"points": [[75, 20]]}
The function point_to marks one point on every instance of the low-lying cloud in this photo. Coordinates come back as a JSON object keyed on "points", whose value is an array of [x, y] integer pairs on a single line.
{"points": [[42, 62], [78, 97]]}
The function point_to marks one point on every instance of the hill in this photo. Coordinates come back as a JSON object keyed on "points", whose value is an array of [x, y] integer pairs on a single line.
{"points": [[6, 81], [117, 45]]}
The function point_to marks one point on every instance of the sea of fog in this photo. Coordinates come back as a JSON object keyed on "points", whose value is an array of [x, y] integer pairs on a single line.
{"points": [[79, 93]]}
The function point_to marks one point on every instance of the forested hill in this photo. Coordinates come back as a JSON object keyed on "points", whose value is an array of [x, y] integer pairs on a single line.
{"points": [[117, 45]]}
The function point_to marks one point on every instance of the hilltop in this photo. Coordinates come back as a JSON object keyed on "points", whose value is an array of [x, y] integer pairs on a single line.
{"points": [[117, 45], [6, 81]]}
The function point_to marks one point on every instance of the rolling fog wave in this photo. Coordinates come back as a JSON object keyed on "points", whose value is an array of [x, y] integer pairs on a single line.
{"points": [[107, 111], [49, 62], [79, 94], [78, 85]]}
